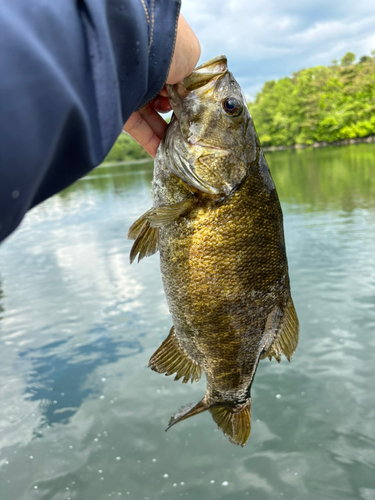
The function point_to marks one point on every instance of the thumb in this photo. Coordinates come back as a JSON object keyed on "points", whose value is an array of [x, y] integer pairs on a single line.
{"points": [[186, 54]]}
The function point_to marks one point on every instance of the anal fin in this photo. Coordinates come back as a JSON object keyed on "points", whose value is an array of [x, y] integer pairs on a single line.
{"points": [[234, 422], [286, 333], [170, 358]]}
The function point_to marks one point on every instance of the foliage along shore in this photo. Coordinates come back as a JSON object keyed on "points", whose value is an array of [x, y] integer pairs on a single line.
{"points": [[323, 144], [315, 107], [325, 104], [126, 149]]}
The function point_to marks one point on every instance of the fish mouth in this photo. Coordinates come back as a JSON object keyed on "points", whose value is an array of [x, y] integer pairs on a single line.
{"points": [[202, 75], [206, 72]]}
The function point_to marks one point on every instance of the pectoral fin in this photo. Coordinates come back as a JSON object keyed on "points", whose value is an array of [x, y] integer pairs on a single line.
{"points": [[170, 358], [136, 227], [282, 328], [235, 423], [146, 239], [145, 230], [163, 215]]}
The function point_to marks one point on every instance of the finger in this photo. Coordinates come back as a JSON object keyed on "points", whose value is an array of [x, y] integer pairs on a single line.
{"points": [[140, 130], [153, 119], [162, 104], [186, 53], [163, 92]]}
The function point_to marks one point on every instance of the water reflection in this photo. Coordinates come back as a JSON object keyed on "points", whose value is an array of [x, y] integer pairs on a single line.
{"points": [[83, 417], [114, 179], [1, 299], [60, 379], [328, 178]]}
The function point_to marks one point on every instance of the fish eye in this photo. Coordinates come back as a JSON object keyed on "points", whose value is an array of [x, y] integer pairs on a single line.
{"points": [[232, 106]]}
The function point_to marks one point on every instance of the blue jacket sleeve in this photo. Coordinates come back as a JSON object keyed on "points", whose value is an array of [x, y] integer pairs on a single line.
{"points": [[72, 72]]}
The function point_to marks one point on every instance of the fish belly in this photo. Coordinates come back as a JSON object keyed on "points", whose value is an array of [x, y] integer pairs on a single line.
{"points": [[216, 274]]}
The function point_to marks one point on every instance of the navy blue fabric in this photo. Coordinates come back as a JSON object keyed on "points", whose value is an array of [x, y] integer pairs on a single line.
{"points": [[71, 74]]}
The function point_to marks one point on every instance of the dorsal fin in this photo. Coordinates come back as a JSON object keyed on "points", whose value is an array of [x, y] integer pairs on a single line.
{"points": [[286, 333]]}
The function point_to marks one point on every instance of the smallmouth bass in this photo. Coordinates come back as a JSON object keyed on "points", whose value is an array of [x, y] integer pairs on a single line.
{"points": [[218, 225]]}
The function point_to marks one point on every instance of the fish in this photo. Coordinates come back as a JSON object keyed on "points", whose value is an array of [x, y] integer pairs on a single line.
{"points": [[217, 223]]}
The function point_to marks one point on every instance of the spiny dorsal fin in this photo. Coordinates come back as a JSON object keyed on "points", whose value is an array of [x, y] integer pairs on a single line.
{"points": [[235, 423], [170, 358], [286, 337]]}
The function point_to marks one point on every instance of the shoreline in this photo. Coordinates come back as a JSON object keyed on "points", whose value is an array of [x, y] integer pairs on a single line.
{"points": [[268, 149], [344, 142], [124, 162]]}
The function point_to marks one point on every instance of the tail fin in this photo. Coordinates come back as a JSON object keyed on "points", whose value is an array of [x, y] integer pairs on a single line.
{"points": [[188, 411], [233, 422]]}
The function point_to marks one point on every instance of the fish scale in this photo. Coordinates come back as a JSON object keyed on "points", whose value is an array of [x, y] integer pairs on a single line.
{"points": [[223, 262]]}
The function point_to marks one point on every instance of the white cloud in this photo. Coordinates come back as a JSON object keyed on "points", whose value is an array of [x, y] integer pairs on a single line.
{"points": [[268, 39]]}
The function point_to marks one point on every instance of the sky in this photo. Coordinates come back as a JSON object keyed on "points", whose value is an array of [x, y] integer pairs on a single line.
{"points": [[269, 39]]}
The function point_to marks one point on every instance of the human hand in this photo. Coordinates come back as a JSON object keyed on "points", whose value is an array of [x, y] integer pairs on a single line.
{"points": [[146, 126]]}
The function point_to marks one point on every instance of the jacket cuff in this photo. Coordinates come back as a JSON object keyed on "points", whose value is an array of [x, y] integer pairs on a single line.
{"points": [[143, 34], [163, 20]]}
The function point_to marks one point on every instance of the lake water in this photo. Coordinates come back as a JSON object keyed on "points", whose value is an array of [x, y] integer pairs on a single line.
{"points": [[83, 418]]}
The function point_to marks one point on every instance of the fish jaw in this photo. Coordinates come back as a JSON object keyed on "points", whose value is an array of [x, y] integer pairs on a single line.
{"points": [[206, 145], [203, 76], [206, 72]]}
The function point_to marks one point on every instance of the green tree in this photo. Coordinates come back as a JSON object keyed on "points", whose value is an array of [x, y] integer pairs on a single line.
{"points": [[325, 103], [126, 149], [348, 59]]}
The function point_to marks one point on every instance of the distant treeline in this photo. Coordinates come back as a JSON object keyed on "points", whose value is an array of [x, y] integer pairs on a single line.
{"points": [[126, 149], [325, 103], [321, 104]]}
